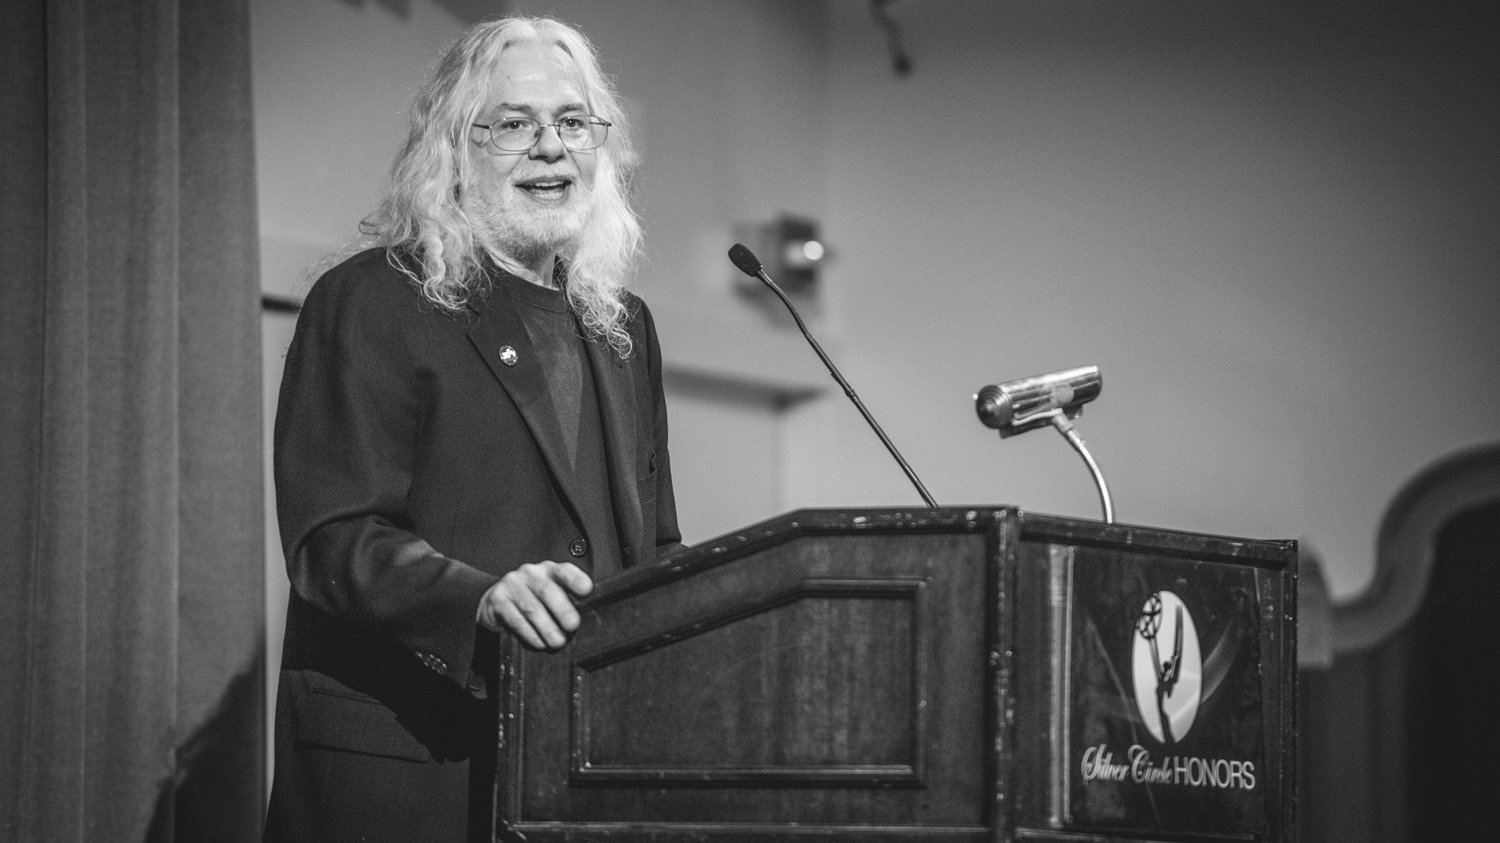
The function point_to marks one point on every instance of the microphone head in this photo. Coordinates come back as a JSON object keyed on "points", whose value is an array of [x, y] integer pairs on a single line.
{"points": [[993, 406], [745, 260]]}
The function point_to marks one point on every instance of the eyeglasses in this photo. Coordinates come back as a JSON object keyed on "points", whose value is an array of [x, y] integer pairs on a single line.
{"points": [[518, 134]]}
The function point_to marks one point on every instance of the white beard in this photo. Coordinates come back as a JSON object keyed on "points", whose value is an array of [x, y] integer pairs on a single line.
{"points": [[509, 222]]}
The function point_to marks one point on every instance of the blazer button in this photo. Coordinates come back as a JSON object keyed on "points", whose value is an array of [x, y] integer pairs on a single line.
{"points": [[578, 547], [508, 356]]}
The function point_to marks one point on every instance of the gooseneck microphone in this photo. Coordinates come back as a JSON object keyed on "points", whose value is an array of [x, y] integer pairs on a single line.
{"points": [[749, 264], [1054, 398]]}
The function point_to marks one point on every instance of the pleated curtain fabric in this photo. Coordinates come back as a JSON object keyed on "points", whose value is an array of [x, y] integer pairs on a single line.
{"points": [[131, 514]]}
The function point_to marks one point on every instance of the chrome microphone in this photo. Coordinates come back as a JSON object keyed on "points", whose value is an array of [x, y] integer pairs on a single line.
{"points": [[1021, 405]]}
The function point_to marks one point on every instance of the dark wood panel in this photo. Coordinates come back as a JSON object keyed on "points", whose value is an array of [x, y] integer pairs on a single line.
{"points": [[823, 682], [805, 685]]}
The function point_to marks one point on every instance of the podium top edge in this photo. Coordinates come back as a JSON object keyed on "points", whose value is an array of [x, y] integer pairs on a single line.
{"points": [[1035, 524], [1009, 525]]}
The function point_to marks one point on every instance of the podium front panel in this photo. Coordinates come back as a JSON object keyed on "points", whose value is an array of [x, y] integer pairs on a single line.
{"points": [[834, 682]]}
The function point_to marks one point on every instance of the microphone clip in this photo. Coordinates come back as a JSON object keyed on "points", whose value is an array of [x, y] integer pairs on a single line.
{"points": [[1041, 418]]}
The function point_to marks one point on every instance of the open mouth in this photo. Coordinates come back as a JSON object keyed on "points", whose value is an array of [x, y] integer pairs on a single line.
{"points": [[548, 189]]}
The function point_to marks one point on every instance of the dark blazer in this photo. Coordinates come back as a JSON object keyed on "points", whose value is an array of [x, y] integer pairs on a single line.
{"points": [[418, 459]]}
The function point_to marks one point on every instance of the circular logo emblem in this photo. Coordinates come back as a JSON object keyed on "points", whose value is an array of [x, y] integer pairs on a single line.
{"points": [[1167, 666]]}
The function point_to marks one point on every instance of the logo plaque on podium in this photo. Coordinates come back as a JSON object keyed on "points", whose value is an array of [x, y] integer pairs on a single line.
{"points": [[1162, 704]]}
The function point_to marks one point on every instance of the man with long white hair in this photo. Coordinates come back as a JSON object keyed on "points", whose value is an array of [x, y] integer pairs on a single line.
{"points": [[471, 430]]}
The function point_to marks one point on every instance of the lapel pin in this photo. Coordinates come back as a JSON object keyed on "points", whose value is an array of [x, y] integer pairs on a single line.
{"points": [[508, 355]]}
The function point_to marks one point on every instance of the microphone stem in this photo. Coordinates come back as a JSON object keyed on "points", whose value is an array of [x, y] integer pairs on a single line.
{"points": [[1060, 421], [849, 391]]}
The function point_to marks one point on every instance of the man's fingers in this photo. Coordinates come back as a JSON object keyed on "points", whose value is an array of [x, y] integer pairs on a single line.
{"points": [[534, 602], [511, 619], [556, 606], [521, 626], [545, 622], [573, 578], [559, 604], [531, 621]]}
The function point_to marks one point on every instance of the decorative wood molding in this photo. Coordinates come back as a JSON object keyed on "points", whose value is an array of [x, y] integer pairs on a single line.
{"points": [[594, 697], [1407, 544]]}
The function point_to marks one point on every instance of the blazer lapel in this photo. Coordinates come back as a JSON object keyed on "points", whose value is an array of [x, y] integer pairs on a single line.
{"points": [[500, 337]]}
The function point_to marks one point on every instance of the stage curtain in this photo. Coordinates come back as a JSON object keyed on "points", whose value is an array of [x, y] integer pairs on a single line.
{"points": [[131, 609]]}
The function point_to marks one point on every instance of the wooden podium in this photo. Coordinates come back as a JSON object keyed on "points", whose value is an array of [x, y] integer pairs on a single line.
{"points": [[957, 674]]}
